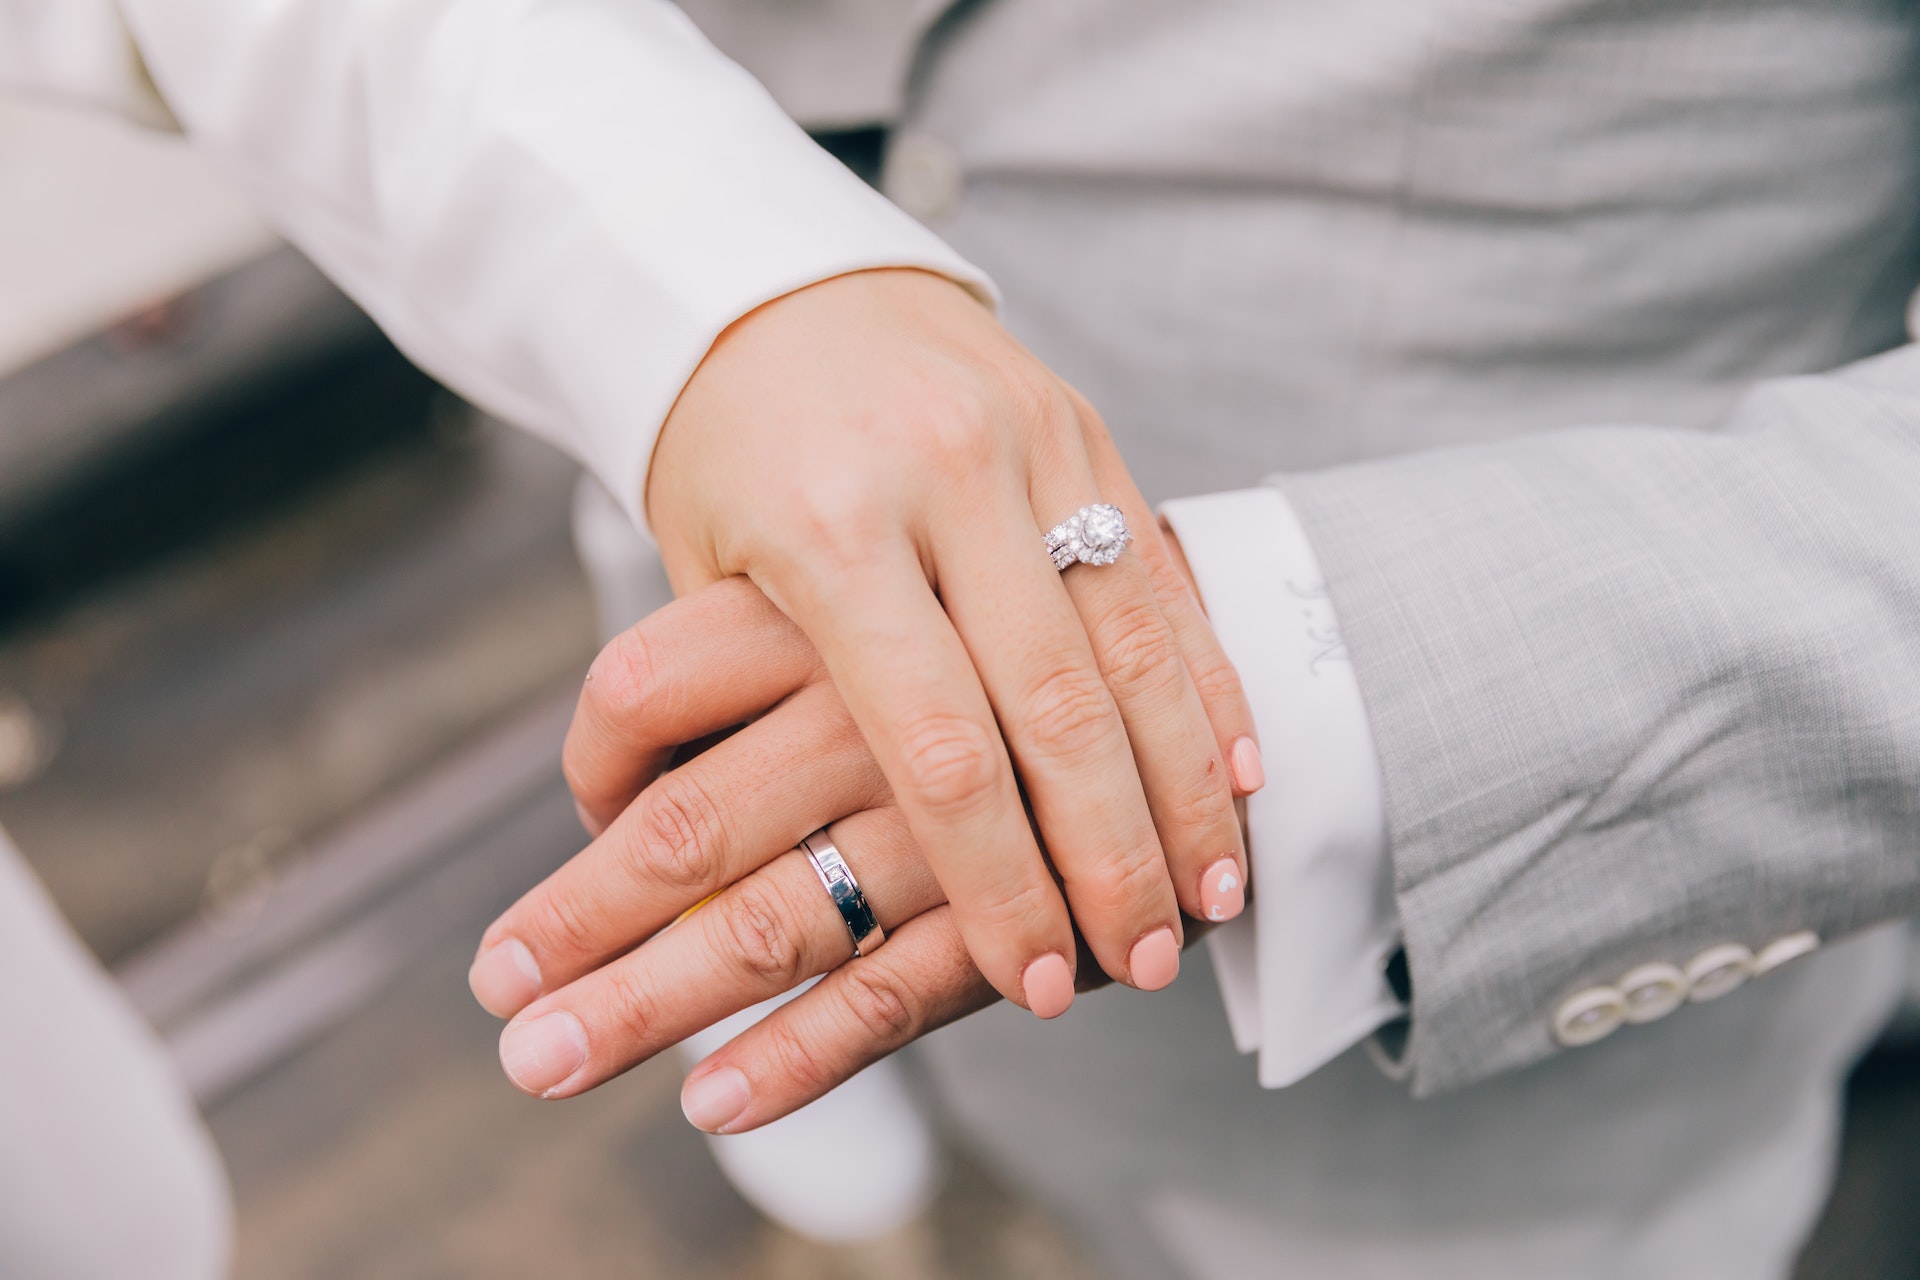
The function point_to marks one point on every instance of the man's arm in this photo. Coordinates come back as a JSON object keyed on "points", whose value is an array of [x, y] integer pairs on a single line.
{"points": [[558, 208], [1641, 698]]}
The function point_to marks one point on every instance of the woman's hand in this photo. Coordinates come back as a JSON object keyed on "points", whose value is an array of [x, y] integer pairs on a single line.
{"points": [[719, 830], [881, 459]]}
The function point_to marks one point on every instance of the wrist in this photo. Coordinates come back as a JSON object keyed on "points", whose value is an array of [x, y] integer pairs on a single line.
{"points": [[791, 351]]}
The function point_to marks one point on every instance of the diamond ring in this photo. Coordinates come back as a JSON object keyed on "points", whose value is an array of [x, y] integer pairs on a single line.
{"points": [[1091, 535]]}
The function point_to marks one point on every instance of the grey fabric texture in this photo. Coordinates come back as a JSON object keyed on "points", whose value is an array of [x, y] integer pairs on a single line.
{"points": [[1636, 633], [830, 64], [1636, 692], [1265, 237], [1133, 1113]]}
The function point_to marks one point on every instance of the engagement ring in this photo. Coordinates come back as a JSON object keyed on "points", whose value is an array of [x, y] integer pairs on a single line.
{"points": [[1091, 535]]}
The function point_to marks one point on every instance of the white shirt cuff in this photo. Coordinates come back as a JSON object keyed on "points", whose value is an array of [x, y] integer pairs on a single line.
{"points": [[1302, 973]]}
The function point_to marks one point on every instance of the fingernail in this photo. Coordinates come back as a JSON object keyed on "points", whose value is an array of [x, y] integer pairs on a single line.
{"points": [[505, 978], [541, 1053], [1249, 775], [1154, 961], [715, 1100], [587, 823], [1223, 894], [1047, 984]]}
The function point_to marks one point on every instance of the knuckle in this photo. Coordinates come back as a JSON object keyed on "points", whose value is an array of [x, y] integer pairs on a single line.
{"points": [[627, 675], [879, 1003], [1042, 404], [950, 763], [562, 926], [1123, 880], [756, 926], [625, 687], [1070, 715], [630, 1005], [1218, 681], [838, 521], [1092, 425], [1204, 803], [963, 434], [797, 1061], [1169, 584], [680, 834], [1019, 910], [1137, 652]]}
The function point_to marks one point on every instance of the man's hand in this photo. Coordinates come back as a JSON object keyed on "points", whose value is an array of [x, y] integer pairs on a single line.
{"points": [[719, 831]]}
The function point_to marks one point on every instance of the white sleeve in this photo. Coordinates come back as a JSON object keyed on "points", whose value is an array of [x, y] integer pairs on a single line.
{"points": [[77, 51], [554, 208], [1303, 972]]}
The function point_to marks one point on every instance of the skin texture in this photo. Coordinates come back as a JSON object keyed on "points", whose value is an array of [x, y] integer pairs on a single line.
{"points": [[718, 832], [880, 459]]}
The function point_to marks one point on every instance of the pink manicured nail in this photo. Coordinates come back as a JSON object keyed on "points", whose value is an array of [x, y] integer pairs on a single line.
{"points": [[1223, 892], [1154, 961], [1047, 984], [505, 978], [542, 1052], [715, 1100], [1249, 775]]}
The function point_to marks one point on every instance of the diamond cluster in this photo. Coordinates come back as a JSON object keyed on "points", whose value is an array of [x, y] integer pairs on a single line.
{"points": [[1091, 535]]}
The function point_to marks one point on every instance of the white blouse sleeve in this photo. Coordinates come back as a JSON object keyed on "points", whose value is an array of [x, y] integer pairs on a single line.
{"points": [[76, 51], [553, 208]]}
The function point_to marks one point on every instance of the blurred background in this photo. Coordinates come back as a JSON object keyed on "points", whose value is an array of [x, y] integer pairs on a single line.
{"points": [[288, 641]]}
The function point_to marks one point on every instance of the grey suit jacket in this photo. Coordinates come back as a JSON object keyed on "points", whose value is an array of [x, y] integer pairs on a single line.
{"points": [[1567, 294], [1637, 692]]}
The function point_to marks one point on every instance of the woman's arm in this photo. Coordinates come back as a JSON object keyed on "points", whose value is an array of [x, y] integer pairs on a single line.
{"points": [[560, 208], [76, 51]]}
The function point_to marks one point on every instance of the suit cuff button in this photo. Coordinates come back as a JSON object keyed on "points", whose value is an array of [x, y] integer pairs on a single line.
{"points": [[1782, 951], [1653, 991], [1718, 970], [1590, 1015]]}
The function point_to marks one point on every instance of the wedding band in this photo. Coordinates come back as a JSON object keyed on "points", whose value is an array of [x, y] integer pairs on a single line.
{"points": [[838, 880], [1091, 535]]}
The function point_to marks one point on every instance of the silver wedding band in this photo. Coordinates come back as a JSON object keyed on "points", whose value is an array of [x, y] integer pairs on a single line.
{"points": [[845, 891], [1092, 535]]}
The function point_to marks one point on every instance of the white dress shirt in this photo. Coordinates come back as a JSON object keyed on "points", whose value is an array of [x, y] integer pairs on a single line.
{"points": [[555, 209], [1303, 972]]}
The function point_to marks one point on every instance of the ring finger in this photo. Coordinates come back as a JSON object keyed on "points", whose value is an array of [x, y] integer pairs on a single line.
{"points": [[692, 832], [760, 937], [1188, 786], [1066, 736]]}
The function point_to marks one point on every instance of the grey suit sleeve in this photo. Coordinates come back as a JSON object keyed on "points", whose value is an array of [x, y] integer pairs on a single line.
{"points": [[1636, 692]]}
